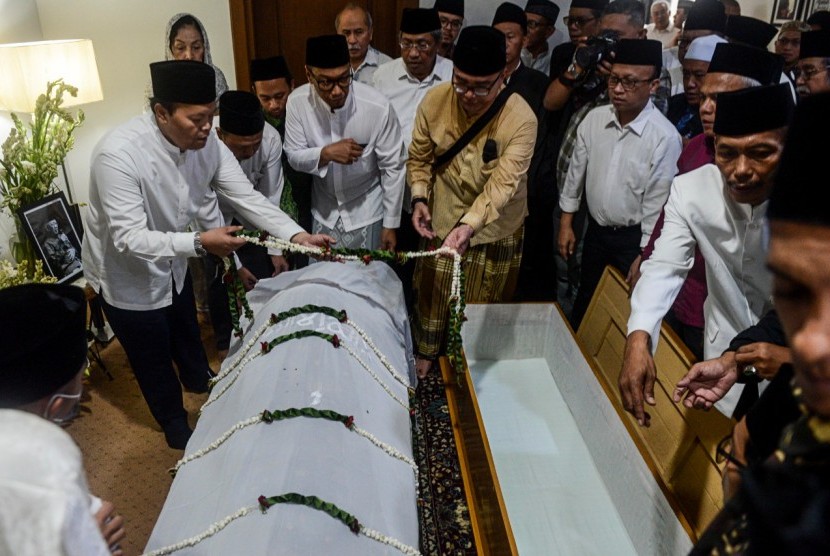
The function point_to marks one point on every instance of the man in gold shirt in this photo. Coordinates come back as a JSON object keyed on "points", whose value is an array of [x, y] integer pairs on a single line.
{"points": [[476, 201]]}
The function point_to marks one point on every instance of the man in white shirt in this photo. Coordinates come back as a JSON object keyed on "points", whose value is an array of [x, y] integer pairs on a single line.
{"points": [[47, 507], [624, 159], [661, 28], [405, 81], [541, 24], [719, 208], [151, 178], [258, 149], [347, 136], [355, 23]]}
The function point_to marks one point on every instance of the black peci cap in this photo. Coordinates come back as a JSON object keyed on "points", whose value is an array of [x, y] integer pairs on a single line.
{"points": [[480, 51], [753, 110], [327, 51], [183, 81]]}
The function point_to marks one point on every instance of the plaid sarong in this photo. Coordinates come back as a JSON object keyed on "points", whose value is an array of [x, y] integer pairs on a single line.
{"points": [[492, 271]]}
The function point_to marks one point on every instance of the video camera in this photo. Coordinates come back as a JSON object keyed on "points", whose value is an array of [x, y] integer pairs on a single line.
{"points": [[589, 57]]}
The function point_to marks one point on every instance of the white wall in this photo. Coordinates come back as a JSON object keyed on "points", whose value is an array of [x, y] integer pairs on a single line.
{"points": [[127, 37], [19, 22]]}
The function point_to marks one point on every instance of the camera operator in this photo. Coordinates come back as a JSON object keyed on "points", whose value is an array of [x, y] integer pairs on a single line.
{"points": [[574, 93]]}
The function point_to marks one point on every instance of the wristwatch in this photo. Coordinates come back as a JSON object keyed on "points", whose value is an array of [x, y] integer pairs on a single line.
{"points": [[197, 245], [573, 71], [570, 81]]}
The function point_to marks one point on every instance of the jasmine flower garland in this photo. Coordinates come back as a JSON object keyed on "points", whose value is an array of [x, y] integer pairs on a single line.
{"points": [[266, 502], [269, 417], [457, 302]]}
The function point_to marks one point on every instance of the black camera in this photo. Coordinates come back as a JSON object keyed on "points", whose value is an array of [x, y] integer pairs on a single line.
{"points": [[596, 50]]}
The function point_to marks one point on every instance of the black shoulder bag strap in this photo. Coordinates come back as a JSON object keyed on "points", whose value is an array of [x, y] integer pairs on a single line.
{"points": [[473, 130]]}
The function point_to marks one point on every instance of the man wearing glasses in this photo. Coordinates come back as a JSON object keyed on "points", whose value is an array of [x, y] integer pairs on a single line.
{"points": [[541, 21], [405, 81], [347, 136], [624, 160], [476, 202], [451, 15], [813, 60]]}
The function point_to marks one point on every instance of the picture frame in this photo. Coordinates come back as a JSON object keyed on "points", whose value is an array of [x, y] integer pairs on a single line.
{"points": [[54, 233], [814, 6], [786, 10]]}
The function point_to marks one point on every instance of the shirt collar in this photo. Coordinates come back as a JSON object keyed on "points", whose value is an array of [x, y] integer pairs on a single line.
{"points": [[171, 149], [371, 59], [403, 73], [638, 124]]}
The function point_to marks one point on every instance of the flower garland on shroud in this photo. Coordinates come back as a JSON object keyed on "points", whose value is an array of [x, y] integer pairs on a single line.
{"points": [[237, 298], [266, 502]]}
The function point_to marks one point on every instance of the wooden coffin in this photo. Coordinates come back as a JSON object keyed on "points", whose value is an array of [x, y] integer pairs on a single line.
{"points": [[550, 461]]}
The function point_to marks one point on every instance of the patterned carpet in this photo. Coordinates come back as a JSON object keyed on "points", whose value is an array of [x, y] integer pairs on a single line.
{"points": [[445, 520]]}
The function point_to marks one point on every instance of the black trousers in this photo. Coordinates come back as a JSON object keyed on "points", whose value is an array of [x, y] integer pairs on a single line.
{"points": [[537, 273], [408, 240], [153, 340], [604, 245]]}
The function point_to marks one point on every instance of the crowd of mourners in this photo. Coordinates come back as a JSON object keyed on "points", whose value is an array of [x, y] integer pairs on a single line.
{"points": [[685, 153]]}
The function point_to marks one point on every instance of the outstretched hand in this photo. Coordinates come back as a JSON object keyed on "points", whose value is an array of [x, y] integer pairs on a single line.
{"points": [[707, 382]]}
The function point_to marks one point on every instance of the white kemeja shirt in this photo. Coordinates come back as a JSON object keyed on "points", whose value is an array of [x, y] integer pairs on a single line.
{"points": [[540, 62], [264, 171], [373, 60], [732, 238], [667, 36], [47, 507], [625, 171], [143, 194], [405, 92], [361, 193]]}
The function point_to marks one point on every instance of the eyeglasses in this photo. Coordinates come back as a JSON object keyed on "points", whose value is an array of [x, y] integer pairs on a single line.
{"points": [[454, 23], [421, 46], [478, 91], [628, 84], [533, 25], [328, 85], [576, 21], [789, 42], [809, 72]]}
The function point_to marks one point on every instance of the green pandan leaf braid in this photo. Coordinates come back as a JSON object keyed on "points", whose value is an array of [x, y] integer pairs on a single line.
{"points": [[332, 338], [230, 278], [338, 314], [292, 412], [312, 502]]}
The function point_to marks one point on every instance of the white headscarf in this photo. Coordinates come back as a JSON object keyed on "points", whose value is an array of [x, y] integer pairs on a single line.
{"points": [[45, 500], [221, 83]]}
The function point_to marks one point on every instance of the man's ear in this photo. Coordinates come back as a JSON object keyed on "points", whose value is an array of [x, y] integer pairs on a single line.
{"points": [[219, 134], [161, 113], [550, 31]]}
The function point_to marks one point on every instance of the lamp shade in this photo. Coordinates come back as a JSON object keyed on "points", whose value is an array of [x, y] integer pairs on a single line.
{"points": [[27, 68]]}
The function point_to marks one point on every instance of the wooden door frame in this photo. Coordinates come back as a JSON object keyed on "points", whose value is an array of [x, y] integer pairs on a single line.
{"points": [[243, 33]]}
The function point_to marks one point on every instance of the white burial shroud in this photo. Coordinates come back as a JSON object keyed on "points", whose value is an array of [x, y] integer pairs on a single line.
{"points": [[304, 455]]}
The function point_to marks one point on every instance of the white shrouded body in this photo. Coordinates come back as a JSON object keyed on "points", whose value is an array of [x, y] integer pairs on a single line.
{"points": [[303, 455]]}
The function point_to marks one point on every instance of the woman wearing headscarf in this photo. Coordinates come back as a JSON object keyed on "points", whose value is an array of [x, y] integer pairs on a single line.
{"points": [[185, 38]]}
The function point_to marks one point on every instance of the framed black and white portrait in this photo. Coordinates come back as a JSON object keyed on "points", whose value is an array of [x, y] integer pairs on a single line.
{"points": [[786, 10], [55, 236]]}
